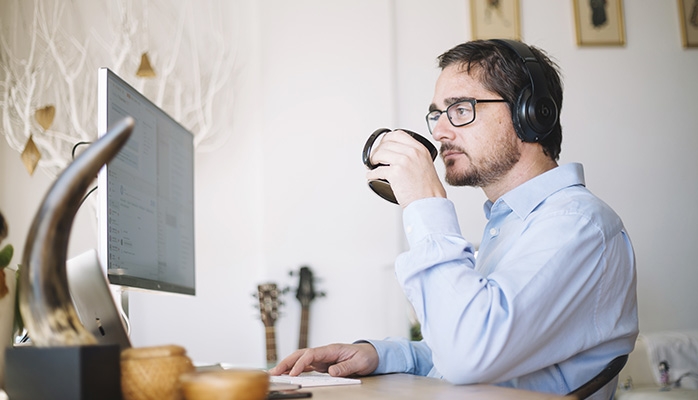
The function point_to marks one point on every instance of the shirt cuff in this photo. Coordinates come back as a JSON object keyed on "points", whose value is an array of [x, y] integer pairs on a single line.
{"points": [[399, 355], [429, 216]]}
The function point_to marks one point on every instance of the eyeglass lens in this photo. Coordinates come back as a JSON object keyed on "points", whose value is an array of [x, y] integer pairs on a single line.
{"points": [[461, 113]]}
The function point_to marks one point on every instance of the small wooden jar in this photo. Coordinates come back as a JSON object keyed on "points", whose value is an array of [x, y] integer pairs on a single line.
{"points": [[152, 373], [229, 384]]}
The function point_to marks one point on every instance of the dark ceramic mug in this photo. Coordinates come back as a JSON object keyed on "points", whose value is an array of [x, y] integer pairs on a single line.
{"points": [[382, 186]]}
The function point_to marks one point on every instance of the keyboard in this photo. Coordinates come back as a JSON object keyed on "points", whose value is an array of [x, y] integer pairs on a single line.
{"points": [[314, 379]]}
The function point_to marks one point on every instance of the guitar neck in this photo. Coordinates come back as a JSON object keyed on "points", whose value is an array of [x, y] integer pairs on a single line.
{"points": [[271, 346], [303, 337]]}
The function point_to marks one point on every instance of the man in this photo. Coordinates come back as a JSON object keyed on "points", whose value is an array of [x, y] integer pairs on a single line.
{"points": [[550, 298]]}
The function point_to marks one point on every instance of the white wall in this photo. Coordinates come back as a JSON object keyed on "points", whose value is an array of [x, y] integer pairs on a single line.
{"points": [[288, 187]]}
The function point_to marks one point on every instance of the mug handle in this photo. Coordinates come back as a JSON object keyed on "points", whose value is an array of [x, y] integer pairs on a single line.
{"points": [[366, 155]]}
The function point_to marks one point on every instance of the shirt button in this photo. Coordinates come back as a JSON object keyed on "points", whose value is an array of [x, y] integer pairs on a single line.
{"points": [[493, 232], [408, 229]]}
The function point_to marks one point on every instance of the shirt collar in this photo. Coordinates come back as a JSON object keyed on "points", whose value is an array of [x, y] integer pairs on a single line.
{"points": [[524, 198]]}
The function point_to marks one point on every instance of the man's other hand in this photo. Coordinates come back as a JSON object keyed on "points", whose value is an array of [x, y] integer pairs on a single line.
{"points": [[335, 359]]}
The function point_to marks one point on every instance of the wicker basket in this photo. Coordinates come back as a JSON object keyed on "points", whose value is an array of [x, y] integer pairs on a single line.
{"points": [[152, 373]]}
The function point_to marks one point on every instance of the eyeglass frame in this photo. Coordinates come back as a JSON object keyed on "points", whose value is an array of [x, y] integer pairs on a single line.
{"points": [[473, 102]]}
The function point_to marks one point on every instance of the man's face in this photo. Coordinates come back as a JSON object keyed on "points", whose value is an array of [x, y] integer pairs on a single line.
{"points": [[480, 153]]}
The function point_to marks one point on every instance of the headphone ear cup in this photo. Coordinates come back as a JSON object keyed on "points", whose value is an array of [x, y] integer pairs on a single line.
{"points": [[534, 119], [520, 119], [542, 116]]}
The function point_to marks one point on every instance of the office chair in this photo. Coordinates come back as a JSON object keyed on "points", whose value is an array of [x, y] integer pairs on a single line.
{"points": [[600, 380]]}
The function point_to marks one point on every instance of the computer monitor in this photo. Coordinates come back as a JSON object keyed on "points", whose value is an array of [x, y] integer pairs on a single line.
{"points": [[146, 195]]}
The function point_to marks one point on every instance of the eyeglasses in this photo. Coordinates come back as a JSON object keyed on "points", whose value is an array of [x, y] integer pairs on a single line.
{"points": [[459, 114]]}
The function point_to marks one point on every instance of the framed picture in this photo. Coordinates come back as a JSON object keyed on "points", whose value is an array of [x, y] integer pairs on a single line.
{"points": [[599, 22], [688, 12], [495, 19]]}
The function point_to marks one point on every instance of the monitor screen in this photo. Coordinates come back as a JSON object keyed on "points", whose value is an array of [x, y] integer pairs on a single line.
{"points": [[146, 194]]}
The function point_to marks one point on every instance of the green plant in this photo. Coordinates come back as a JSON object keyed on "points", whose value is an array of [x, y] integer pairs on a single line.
{"points": [[416, 332], [6, 255]]}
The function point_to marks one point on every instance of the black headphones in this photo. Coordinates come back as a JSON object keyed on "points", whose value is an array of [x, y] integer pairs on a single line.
{"points": [[535, 112]]}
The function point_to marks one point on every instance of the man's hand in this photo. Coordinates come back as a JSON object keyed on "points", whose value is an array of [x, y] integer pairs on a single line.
{"points": [[407, 166], [335, 359]]}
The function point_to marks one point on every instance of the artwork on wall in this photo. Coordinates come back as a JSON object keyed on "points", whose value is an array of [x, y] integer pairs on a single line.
{"points": [[599, 22], [688, 13], [495, 19]]}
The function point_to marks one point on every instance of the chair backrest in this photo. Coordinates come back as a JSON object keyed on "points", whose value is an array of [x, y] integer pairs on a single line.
{"points": [[600, 380]]}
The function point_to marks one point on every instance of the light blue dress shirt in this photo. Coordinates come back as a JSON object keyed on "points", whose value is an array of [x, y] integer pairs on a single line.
{"points": [[548, 302]]}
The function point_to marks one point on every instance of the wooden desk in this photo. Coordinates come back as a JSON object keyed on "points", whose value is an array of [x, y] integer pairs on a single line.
{"points": [[412, 387], [407, 387]]}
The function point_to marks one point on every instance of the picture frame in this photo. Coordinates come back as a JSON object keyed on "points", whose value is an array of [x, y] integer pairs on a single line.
{"points": [[688, 15], [599, 22], [495, 19]]}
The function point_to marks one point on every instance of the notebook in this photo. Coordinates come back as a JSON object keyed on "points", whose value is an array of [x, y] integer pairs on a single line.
{"points": [[93, 300], [313, 379]]}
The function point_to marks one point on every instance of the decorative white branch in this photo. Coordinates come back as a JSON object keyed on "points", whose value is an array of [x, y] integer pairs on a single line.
{"points": [[54, 60]]}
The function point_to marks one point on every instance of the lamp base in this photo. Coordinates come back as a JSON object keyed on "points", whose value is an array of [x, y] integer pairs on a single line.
{"points": [[71, 372]]}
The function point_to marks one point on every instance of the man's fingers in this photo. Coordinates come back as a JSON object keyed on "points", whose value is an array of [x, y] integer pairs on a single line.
{"points": [[301, 364], [298, 362], [315, 359], [342, 369], [393, 144], [286, 364], [359, 359]]}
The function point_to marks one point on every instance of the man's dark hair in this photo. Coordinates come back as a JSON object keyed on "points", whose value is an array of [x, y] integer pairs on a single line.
{"points": [[501, 71]]}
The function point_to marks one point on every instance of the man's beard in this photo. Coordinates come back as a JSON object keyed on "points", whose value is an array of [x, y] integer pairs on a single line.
{"points": [[482, 172]]}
